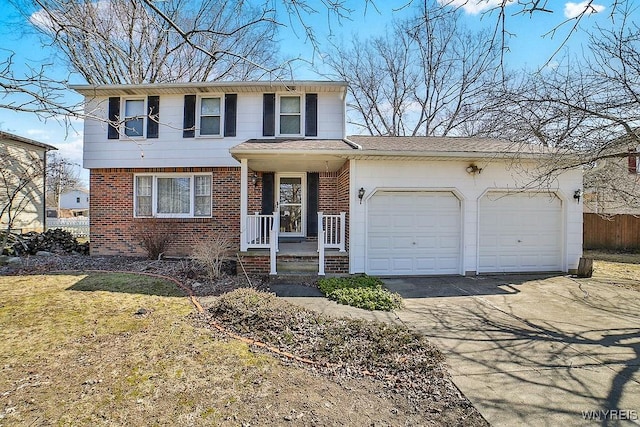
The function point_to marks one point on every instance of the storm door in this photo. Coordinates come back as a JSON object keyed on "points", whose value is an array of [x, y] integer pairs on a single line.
{"points": [[291, 204]]}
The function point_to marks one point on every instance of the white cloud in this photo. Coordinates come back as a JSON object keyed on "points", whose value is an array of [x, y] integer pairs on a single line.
{"points": [[572, 10], [39, 134], [474, 7]]}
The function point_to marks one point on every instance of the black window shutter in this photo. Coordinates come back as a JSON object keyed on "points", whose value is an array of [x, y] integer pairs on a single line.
{"points": [[311, 114], [230, 108], [189, 123], [153, 103], [114, 116], [269, 114], [313, 183], [267, 192]]}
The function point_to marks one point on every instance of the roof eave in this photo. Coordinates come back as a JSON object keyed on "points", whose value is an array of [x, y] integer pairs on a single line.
{"points": [[208, 87], [10, 136], [445, 154]]}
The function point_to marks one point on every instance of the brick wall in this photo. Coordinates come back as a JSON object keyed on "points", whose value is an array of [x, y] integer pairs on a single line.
{"points": [[328, 193], [260, 264], [111, 213], [255, 194], [343, 196]]}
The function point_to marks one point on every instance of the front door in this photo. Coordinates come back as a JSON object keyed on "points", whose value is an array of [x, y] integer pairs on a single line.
{"points": [[290, 204]]}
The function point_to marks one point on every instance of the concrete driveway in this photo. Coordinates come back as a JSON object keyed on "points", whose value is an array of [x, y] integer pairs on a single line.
{"points": [[526, 350]]}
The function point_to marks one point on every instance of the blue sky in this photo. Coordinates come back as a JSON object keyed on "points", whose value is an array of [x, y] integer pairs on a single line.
{"points": [[528, 47]]}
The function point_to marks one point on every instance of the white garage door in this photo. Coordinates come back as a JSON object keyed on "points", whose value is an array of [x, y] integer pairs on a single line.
{"points": [[520, 232], [413, 233]]}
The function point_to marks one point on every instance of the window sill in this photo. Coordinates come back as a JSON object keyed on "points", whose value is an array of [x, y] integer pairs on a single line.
{"points": [[173, 219]]}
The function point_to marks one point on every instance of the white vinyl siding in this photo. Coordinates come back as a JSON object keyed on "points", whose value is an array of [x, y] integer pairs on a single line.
{"points": [[172, 195], [166, 151]]}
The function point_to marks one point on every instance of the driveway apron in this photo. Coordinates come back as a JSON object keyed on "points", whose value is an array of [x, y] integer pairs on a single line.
{"points": [[526, 350]]}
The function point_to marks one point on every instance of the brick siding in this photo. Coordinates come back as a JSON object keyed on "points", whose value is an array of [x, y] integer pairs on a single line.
{"points": [[259, 264], [112, 221]]}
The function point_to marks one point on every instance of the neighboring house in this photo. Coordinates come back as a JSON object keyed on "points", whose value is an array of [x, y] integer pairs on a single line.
{"points": [[266, 163], [23, 181], [612, 186], [75, 202]]}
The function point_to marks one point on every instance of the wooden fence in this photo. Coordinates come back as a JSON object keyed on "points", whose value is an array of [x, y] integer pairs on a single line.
{"points": [[613, 232]]}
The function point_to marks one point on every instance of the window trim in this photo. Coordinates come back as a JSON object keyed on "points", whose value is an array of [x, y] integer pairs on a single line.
{"points": [[144, 117], [301, 114], [154, 195], [199, 99]]}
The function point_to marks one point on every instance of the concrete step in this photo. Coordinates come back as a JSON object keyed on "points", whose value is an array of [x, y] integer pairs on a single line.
{"points": [[294, 279], [292, 265]]}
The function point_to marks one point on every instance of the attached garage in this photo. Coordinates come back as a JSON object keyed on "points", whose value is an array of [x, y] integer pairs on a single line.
{"points": [[520, 232], [413, 233]]}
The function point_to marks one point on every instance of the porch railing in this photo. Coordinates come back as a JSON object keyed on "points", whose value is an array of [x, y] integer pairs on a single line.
{"points": [[258, 230], [262, 232], [331, 235], [334, 230]]}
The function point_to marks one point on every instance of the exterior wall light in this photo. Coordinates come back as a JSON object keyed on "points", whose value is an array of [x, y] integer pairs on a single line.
{"points": [[361, 194], [255, 179], [472, 169], [576, 195]]}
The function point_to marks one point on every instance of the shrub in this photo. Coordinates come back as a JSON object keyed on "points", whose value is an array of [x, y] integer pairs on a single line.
{"points": [[360, 291], [212, 253], [154, 235]]}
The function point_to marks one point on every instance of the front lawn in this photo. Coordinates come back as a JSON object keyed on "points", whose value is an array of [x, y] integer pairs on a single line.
{"points": [[124, 349]]}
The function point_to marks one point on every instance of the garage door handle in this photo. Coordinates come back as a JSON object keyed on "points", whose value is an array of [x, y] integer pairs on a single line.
{"points": [[519, 241]]}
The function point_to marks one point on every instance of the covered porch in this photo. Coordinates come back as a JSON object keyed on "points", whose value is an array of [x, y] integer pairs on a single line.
{"points": [[294, 202]]}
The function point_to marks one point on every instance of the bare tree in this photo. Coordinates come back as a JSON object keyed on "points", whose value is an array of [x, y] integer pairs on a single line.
{"points": [[503, 11], [61, 176], [139, 41], [587, 110], [427, 76]]}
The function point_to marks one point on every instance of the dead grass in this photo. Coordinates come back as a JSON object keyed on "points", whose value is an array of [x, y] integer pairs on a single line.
{"points": [[615, 268], [77, 350]]}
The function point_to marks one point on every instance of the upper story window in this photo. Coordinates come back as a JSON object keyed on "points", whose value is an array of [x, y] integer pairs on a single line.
{"points": [[134, 117], [210, 116], [172, 195], [290, 115]]}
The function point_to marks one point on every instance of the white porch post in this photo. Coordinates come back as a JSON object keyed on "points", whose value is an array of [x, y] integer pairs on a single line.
{"points": [[244, 197], [320, 245], [343, 231]]}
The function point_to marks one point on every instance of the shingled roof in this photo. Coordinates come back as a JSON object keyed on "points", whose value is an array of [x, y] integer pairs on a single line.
{"points": [[395, 146]]}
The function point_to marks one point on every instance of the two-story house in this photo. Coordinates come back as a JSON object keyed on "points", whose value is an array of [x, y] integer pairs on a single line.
{"points": [[75, 202], [269, 164]]}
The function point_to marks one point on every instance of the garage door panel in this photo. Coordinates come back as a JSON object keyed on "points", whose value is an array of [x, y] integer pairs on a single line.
{"points": [[380, 242], [520, 232], [422, 230], [402, 264]]}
